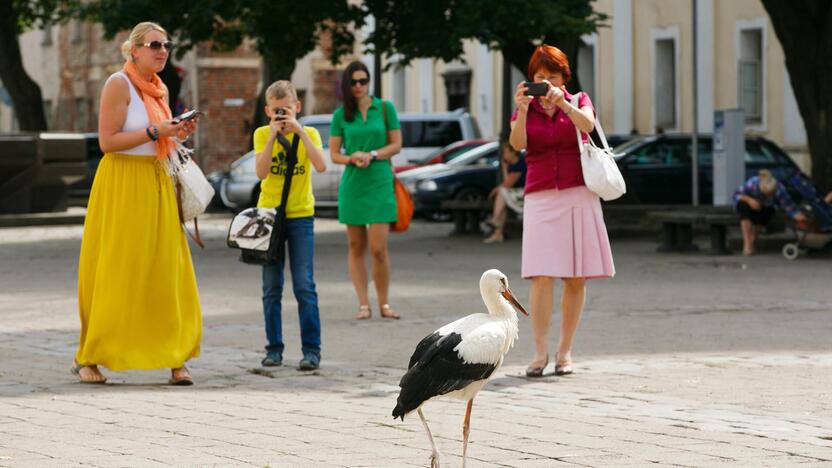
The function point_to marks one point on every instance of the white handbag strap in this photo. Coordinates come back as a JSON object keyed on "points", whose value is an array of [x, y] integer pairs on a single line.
{"points": [[597, 126]]}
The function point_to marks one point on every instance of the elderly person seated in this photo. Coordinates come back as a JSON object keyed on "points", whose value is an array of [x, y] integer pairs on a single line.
{"points": [[756, 201]]}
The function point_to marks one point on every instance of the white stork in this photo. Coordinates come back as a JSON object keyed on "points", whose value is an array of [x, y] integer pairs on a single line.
{"points": [[458, 359]]}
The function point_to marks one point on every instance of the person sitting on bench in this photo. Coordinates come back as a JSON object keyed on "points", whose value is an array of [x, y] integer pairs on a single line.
{"points": [[755, 201], [514, 173]]}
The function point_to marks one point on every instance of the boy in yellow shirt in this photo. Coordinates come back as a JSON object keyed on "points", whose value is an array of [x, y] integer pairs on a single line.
{"points": [[282, 107]]}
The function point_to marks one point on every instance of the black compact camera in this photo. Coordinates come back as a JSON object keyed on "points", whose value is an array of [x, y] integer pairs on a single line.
{"points": [[536, 89]]}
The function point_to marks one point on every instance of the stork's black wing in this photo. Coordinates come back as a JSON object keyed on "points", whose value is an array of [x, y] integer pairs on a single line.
{"points": [[436, 369]]}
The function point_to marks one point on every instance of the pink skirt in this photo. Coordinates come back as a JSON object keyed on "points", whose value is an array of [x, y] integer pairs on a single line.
{"points": [[564, 235]]}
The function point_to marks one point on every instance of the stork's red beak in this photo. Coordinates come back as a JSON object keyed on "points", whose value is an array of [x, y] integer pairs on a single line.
{"points": [[513, 301]]}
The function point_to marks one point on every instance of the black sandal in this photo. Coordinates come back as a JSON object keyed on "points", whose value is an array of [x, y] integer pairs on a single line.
{"points": [[537, 371], [391, 314], [562, 369], [76, 370]]}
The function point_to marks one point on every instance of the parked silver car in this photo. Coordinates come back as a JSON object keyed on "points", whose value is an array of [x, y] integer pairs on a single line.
{"points": [[422, 134]]}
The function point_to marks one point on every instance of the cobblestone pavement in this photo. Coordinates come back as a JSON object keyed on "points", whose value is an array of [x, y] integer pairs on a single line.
{"points": [[681, 360]]}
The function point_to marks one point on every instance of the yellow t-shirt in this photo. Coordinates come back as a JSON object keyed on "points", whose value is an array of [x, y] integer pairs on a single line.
{"points": [[301, 202]]}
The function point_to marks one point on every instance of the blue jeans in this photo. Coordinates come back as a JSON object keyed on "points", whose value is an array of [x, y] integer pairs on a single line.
{"points": [[301, 244]]}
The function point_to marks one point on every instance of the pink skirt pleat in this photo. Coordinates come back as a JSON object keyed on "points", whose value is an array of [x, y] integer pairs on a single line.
{"points": [[564, 235]]}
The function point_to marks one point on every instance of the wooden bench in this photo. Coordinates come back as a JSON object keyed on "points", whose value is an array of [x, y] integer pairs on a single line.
{"points": [[677, 228], [467, 214], [718, 225]]}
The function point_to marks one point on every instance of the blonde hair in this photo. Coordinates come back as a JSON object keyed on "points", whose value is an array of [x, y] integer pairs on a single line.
{"points": [[280, 89], [137, 37], [768, 184]]}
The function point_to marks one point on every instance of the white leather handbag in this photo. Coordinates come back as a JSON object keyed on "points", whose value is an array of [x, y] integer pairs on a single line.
{"points": [[193, 191], [601, 173]]}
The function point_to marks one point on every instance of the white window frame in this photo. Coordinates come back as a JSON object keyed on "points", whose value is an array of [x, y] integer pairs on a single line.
{"points": [[46, 34], [760, 24], [395, 72], [425, 71], [657, 34], [591, 40]]}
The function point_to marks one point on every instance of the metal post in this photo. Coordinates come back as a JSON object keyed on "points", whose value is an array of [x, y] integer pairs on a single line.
{"points": [[694, 149]]}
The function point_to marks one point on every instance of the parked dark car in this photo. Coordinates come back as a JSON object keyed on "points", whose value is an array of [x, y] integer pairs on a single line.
{"points": [[470, 176], [657, 168]]}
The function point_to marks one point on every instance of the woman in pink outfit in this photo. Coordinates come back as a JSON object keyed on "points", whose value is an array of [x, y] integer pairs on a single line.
{"points": [[564, 235]]}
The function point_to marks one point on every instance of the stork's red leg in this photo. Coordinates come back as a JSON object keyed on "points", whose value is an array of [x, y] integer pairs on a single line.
{"points": [[465, 427]]}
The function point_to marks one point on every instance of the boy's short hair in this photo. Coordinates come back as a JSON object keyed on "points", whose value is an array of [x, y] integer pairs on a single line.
{"points": [[280, 89]]}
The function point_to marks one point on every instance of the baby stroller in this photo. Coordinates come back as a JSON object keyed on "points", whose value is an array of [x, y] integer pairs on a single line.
{"points": [[816, 233]]}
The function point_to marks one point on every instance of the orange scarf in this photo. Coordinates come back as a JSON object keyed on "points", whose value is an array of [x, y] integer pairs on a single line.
{"points": [[153, 95]]}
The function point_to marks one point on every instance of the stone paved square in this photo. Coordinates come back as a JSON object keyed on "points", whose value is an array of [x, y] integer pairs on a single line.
{"points": [[681, 360]]}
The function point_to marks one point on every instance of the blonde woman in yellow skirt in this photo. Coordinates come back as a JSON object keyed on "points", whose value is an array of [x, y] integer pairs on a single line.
{"points": [[137, 294]]}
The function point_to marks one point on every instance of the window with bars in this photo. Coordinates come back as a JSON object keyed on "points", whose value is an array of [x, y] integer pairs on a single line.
{"points": [[586, 68], [750, 75], [399, 89], [46, 37], [665, 84]]}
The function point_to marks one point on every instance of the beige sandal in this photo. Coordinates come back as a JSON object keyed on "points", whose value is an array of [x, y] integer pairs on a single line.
{"points": [[391, 314], [364, 312]]}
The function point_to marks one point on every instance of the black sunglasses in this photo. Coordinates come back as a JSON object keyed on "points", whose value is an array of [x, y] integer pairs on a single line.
{"points": [[360, 81], [156, 45]]}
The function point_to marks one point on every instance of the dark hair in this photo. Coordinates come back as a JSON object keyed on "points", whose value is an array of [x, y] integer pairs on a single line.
{"points": [[350, 103]]}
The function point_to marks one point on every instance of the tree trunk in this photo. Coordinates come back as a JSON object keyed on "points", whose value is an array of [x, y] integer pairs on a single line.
{"points": [[25, 93], [806, 38]]}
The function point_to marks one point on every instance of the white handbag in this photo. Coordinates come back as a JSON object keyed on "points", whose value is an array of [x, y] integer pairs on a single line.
{"points": [[601, 173], [193, 191]]}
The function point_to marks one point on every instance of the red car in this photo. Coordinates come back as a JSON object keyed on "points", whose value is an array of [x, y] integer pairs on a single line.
{"points": [[443, 155]]}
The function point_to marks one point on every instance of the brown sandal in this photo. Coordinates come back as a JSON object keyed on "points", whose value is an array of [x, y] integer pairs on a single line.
{"points": [[564, 368], [537, 371], [181, 381], [391, 314], [76, 370], [364, 312]]}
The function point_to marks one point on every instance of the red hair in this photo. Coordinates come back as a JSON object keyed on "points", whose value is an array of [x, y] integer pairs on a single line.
{"points": [[551, 59]]}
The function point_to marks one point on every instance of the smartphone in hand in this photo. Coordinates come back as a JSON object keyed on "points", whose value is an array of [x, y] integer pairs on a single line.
{"points": [[536, 89], [190, 115]]}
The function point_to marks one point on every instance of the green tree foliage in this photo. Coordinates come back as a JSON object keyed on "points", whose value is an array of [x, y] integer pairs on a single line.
{"points": [[437, 28], [282, 31]]}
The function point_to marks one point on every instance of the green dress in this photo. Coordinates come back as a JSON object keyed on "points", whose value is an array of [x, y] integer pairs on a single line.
{"points": [[365, 196]]}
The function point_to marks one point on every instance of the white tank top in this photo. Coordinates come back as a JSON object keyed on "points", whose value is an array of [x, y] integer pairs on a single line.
{"points": [[136, 119]]}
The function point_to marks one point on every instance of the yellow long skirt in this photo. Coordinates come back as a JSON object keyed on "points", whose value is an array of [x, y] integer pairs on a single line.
{"points": [[137, 294]]}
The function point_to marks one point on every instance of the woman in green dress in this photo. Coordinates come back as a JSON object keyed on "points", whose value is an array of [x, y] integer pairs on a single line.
{"points": [[367, 130]]}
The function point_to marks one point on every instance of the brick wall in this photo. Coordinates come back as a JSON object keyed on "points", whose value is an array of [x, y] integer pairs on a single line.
{"points": [[228, 96]]}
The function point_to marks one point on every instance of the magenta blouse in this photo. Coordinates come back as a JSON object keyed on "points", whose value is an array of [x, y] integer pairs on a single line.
{"points": [[552, 156]]}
